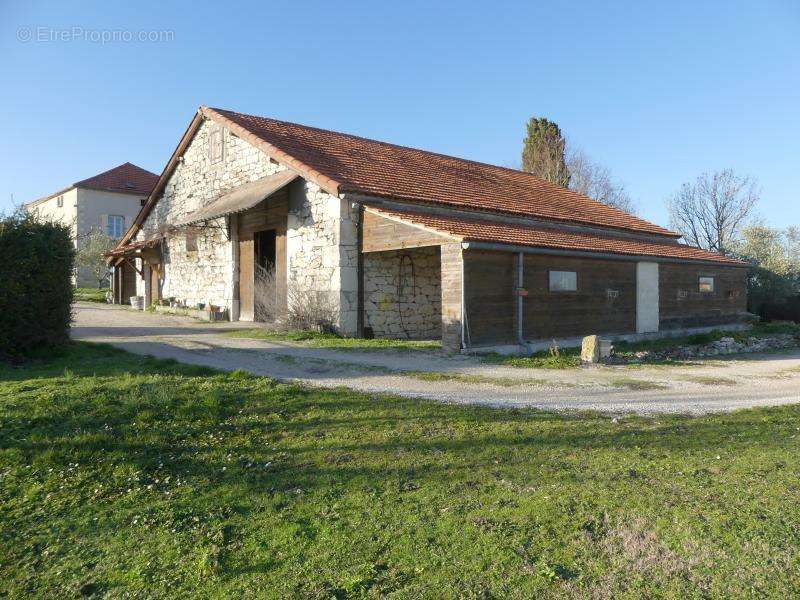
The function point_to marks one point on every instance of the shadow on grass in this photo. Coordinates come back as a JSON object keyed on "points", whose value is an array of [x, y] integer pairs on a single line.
{"points": [[239, 430]]}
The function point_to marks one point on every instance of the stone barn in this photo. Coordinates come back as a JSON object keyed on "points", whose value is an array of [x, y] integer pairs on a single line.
{"points": [[403, 243]]}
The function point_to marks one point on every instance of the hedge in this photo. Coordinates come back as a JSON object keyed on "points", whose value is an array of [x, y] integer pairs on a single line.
{"points": [[36, 262]]}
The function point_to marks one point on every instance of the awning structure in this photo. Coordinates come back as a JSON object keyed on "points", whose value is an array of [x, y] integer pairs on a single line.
{"points": [[133, 248], [242, 198]]}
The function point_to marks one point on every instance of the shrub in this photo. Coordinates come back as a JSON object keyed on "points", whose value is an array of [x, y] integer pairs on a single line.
{"points": [[36, 290], [311, 311], [305, 310]]}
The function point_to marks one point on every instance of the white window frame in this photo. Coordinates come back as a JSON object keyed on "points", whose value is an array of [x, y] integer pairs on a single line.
{"points": [[111, 226], [707, 281], [563, 281]]}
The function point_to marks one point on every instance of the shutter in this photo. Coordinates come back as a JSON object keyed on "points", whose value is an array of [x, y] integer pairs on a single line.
{"points": [[104, 224]]}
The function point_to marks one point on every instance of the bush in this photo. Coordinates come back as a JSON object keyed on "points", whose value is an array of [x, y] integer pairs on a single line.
{"points": [[36, 291]]}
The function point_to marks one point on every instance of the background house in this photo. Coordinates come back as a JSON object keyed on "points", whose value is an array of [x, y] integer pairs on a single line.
{"points": [[108, 201], [407, 243]]}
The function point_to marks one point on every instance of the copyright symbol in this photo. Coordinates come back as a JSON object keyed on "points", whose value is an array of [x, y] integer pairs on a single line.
{"points": [[24, 34]]}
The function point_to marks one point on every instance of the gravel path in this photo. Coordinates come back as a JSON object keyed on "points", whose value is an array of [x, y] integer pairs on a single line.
{"points": [[716, 386]]}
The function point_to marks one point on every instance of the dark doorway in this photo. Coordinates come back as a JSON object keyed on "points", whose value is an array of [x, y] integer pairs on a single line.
{"points": [[265, 249]]}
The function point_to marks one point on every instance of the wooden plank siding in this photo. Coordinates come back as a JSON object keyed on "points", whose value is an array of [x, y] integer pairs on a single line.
{"points": [[380, 233], [681, 304], [272, 213], [491, 282]]}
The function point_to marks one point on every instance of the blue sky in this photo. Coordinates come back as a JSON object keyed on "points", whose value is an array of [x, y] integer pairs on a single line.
{"points": [[659, 92]]}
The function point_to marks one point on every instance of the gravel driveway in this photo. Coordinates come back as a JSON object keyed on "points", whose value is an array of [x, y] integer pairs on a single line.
{"points": [[717, 386]]}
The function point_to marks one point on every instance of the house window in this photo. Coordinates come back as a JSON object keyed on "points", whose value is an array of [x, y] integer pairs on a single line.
{"points": [[563, 281], [60, 201], [216, 146], [706, 285], [115, 227]]}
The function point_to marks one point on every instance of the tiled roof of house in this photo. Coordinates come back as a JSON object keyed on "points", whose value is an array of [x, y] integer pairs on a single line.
{"points": [[481, 230], [126, 178], [355, 164]]}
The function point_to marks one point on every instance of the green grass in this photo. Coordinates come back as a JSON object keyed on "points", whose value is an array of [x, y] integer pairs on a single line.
{"points": [[468, 378], [568, 358], [700, 339], [313, 339], [90, 295], [123, 476], [710, 380], [641, 385]]}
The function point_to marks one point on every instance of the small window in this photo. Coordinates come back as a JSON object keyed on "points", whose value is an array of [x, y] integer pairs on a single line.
{"points": [[683, 294], [142, 201], [115, 227], [563, 281], [60, 201], [191, 240], [706, 285], [216, 146]]}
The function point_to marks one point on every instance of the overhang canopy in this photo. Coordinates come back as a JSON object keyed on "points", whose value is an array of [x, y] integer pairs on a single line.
{"points": [[241, 198]]}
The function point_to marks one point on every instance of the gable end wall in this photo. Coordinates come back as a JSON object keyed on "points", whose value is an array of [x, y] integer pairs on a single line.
{"points": [[321, 231]]}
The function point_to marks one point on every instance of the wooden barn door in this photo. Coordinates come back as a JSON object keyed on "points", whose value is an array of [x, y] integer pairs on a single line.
{"points": [[246, 276]]}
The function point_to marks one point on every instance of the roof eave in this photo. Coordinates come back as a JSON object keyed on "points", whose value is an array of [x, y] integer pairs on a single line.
{"points": [[477, 245], [350, 189]]}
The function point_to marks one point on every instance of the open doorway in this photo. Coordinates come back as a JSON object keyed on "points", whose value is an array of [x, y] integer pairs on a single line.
{"points": [[265, 249], [265, 293]]}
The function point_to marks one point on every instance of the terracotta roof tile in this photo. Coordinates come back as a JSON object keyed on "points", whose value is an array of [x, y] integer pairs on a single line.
{"points": [[126, 178], [370, 167], [481, 230]]}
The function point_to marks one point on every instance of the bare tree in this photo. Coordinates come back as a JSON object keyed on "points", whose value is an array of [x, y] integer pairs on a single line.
{"points": [[89, 257], [711, 212], [593, 179]]}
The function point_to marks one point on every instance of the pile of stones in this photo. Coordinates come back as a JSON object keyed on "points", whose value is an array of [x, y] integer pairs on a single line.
{"points": [[721, 347]]}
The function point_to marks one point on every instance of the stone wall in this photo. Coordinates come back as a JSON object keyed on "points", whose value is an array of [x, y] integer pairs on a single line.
{"points": [[321, 243], [403, 294], [321, 248], [205, 274]]}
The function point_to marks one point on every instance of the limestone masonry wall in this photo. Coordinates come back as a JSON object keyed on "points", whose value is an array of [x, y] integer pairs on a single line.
{"points": [[402, 293], [321, 248], [205, 274], [321, 243]]}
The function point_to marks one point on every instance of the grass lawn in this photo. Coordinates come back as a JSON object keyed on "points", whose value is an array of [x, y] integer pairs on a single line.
{"points": [[313, 339], [90, 295], [128, 477]]}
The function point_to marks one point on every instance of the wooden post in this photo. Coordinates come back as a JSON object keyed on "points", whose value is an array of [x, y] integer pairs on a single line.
{"points": [[452, 266]]}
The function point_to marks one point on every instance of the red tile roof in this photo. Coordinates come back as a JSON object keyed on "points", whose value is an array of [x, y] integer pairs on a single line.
{"points": [[482, 230], [126, 178], [356, 164]]}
